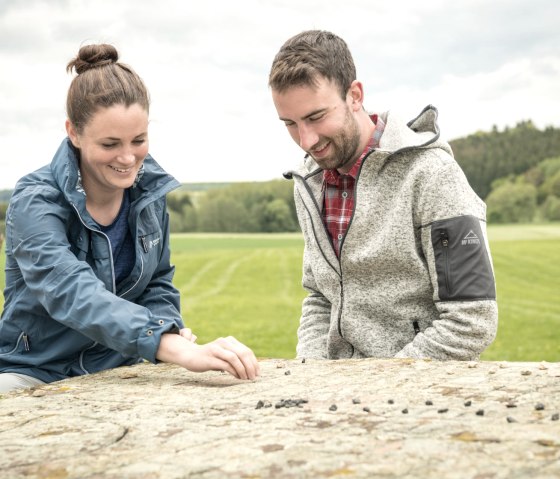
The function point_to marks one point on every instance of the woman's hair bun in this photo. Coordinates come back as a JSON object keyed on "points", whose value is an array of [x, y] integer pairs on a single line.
{"points": [[93, 56]]}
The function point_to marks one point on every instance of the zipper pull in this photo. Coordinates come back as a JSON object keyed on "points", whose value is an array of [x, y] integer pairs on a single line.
{"points": [[444, 238], [144, 243], [26, 346]]}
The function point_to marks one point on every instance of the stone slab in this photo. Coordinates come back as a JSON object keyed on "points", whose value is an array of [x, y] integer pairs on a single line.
{"points": [[322, 419]]}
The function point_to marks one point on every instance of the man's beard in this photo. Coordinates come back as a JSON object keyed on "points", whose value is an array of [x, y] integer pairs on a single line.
{"points": [[344, 146]]}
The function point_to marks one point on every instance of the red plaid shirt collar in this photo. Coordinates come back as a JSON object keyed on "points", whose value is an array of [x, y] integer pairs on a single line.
{"points": [[338, 199]]}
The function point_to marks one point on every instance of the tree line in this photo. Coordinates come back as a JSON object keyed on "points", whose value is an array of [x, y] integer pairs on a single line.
{"points": [[516, 171], [252, 207]]}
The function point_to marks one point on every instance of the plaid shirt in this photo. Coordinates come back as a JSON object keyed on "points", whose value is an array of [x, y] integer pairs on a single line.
{"points": [[338, 199]]}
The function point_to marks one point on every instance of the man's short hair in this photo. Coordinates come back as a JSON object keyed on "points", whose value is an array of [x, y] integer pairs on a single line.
{"points": [[309, 55]]}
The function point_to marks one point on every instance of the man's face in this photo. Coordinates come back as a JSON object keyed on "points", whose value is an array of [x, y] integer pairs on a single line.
{"points": [[321, 123]]}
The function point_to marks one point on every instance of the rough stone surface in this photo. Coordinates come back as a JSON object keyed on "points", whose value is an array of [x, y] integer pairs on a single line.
{"points": [[164, 422]]}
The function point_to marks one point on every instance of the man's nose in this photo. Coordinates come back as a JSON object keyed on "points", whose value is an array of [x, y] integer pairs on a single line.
{"points": [[307, 137]]}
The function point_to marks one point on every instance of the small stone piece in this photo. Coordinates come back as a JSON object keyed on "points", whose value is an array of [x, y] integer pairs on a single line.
{"points": [[511, 405], [468, 403], [366, 409], [303, 360], [287, 373], [333, 407], [260, 404], [390, 401], [429, 403], [555, 417], [356, 401], [539, 406], [441, 411], [511, 419], [287, 403], [472, 365], [480, 412], [405, 411], [526, 373]]}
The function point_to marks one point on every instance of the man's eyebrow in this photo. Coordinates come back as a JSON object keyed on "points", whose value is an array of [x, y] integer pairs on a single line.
{"points": [[309, 115]]}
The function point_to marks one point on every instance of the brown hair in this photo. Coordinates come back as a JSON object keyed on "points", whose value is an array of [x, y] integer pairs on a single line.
{"points": [[311, 54], [101, 82]]}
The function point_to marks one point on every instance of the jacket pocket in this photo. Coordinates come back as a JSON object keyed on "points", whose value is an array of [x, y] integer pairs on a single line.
{"points": [[462, 262], [22, 345]]}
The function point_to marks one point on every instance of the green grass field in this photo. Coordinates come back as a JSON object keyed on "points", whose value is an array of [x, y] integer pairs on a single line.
{"points": [[249, 286]]}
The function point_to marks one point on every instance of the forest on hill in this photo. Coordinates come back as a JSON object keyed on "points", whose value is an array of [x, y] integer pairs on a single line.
{"points": [[516, 171]]}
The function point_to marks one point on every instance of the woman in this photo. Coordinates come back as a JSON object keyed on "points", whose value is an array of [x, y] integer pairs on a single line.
{"points": [[88, 273]]}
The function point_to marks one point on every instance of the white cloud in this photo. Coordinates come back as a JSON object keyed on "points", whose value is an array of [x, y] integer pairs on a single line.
{"points": [[206, 66]]}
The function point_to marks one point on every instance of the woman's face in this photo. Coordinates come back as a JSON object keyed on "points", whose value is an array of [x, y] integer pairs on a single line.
{"points": [[112, 147]]}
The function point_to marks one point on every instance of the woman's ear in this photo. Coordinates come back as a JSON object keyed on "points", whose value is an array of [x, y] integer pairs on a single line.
{"points": [[72, 134], [356, 95]]}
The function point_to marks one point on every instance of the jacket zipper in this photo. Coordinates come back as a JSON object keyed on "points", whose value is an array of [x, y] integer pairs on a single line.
{"points": [[144, 244], [82, 357], [26, 345], [341, 244], [108, 242], [445, 244]]}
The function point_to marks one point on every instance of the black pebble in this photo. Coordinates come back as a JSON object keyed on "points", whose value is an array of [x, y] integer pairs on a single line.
{"points": [[510, 405], [429, 403], [480, 412], [356, 401], [260, 404], [390, 401], [468, 403], [555, 417], [441, 411], [366, 409], [539, 406], [289, 403], [510, 419], [288, 372], [333, 408], [303, 360], [405, 411]]}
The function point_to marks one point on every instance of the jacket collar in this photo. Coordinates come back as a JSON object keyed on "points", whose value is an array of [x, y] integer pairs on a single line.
{"points": [[421, 132]]}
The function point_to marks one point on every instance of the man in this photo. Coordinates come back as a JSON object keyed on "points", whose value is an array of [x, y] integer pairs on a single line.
{"points": [[396, 259]]}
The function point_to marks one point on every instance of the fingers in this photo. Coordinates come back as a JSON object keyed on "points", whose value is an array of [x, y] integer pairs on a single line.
{"points": [[241, 361], [188, 334]]}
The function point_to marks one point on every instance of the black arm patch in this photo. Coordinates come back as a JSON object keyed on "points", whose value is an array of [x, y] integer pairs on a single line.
{"points": [[462, 262]]}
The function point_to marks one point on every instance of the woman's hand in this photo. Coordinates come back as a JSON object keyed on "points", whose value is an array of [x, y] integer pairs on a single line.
{"points": [[188, 334], [222, 354]]}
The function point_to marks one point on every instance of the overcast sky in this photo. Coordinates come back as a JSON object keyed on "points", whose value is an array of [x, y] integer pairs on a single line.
{"points": [[206, 64]]}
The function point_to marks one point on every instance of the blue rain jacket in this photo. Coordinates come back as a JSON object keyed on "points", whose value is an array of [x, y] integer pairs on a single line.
{"points": [[64, 315]]}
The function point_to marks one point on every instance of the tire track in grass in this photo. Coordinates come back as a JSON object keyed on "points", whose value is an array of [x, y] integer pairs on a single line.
{"points": [[195, 278], [223, 282], [286, 284]]}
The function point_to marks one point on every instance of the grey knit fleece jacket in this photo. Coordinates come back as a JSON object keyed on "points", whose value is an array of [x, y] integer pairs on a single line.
{"points": [[415, 277]]}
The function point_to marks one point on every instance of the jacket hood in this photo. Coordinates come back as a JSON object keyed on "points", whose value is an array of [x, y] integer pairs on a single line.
{"points": [[65, 173], [398, 136]]}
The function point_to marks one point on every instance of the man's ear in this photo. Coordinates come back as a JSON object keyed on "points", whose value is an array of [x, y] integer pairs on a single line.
{"points": [[356, 95], [72, 134]]}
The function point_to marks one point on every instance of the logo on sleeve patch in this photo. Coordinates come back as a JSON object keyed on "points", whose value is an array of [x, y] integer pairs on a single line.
{"points": [[470, 238]]}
